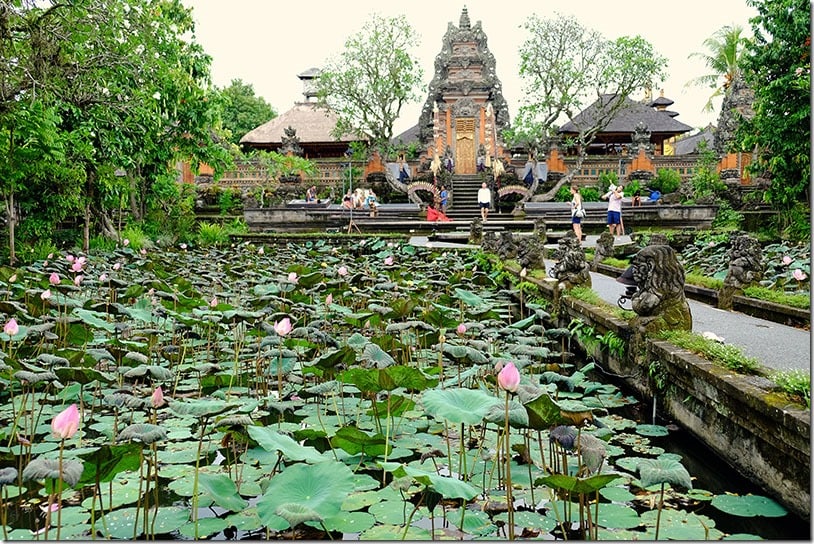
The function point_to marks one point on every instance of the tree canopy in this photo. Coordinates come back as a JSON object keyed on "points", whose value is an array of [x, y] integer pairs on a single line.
{"points": [[243, 111], [778, 68], [372, 78], [564, 67], [104, 87], [725, 49]]}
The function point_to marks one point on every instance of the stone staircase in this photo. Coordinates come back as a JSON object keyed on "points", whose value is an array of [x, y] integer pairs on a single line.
{"points": [[464, 201]]}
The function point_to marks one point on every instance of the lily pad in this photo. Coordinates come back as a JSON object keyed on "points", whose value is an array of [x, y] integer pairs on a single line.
{"points": [[749, 506]]}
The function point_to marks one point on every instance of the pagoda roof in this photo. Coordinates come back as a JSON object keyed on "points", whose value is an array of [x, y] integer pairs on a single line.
{"points": [[313, 124], [658, 122], [689, 144]]}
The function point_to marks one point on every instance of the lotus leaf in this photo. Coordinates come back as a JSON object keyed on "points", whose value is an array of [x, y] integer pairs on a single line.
{"points": [[145, 433], [105, 462], [660, 471], [395, 532], [122, 523], [518, 417], [274, 441], [350, 522], [680, 525], [372, 353], [319, 488], [222, 490], [354, 441], [652, 430], [748, 506], [206, 527], [35, 377], [617, 516], [200, 408], [468, 406], [70, 470]]}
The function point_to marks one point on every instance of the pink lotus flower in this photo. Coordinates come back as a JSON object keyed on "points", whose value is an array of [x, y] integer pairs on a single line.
{"points": [[66, 423], [261, 251], [45, 295], [388, 260], [11, 327], [76, 266], [183, 246], [798, 274], [12, 278], [342, 271], [143, 251], [786, 260], [126, 242], [53, 279], [157, 398], [77, 280], [283, 327], [461, 330], [50, 255], [117, 266], [213, 302], [103, 278], [509, 378], [69, 258], [329, 299], [292, 277]]}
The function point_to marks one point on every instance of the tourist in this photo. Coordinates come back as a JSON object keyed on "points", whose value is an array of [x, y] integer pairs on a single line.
{"points": [[528, 172], [404, 170], [577, 212], [311, 194], [637, 198], [347, 200], [372, 203], [614, 198], [484, 200], [444, 199], [358, 199]]}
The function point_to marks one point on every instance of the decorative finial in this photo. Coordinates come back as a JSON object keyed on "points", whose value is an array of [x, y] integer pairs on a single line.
{"points": [[464, 19]]}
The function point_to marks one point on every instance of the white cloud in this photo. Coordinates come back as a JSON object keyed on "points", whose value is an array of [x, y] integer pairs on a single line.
{"points": [[268, 43]]}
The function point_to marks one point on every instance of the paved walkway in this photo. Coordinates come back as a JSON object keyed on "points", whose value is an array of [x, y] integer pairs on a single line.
{"points": [[776, 346]]}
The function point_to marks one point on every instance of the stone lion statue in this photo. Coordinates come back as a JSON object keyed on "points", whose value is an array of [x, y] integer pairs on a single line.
{"points": [[604, 249], [745, 262], [659, 302], [572, 269]]}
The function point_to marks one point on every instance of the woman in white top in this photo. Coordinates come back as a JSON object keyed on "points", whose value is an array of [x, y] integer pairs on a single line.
{"points": [[484, 200], [576, 212]]}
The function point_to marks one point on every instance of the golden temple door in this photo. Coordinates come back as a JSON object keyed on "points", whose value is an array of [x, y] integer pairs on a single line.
{"points": [[465, 145]]}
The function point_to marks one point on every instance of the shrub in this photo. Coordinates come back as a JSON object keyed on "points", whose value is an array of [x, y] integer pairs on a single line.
{"points": [[590, 194], [102, 243], [703, 281], [666, 181], [212, 234], [726, 218], [778, 297], [563, 194], [138, 239], [794, 383], [605, 180]]}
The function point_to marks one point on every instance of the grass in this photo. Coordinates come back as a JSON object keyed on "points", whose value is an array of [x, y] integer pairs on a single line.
{"points": [[725, 355], [795, 384], [703, 281], [586, 294], [778, 297], [618, 263]]}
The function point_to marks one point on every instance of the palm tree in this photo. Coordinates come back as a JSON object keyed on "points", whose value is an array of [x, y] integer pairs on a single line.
{"points": [[725, 49]]}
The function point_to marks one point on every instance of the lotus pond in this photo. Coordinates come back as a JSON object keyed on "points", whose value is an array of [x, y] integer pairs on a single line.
{"points": [[318, 391]]}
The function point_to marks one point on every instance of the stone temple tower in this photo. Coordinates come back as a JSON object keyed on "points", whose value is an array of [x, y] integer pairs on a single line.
{"points": [[465, 110]]}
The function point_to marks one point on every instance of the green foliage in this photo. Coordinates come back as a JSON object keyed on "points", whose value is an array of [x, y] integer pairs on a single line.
{"points": [[242, 110], [794, 223], [230, 201], [613, 343], [564, 194], [212, 234], [658, 374], [778, 297], [589, 194], [705, 182], [726, 355], [605, 181], [703, 281], [666, 181], [631, 188], [778, 69], [586, 65], [794, 383], [102, 243], [375, 74], [138, 239], [726, 49], [618, 263], [726, 218]]}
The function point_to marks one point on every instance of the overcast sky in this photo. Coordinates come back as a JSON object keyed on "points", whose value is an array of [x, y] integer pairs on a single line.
{"points": [[266, 43]]}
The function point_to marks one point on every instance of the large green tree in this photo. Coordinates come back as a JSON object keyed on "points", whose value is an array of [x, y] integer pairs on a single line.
{"points": [[778, 68], [243, 111], [131, 91], [372, 78], [564, 67]]}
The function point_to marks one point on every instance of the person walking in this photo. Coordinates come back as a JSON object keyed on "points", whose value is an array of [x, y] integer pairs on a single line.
{"points": [[577, 212], [444, 199], [484, 200], [614, 198]]}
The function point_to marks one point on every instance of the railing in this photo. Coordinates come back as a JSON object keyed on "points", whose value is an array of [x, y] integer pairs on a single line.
{"points": [[333, 171]]}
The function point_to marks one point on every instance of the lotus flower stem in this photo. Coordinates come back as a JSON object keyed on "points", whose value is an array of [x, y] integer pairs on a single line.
{"points": [[508, 459]]}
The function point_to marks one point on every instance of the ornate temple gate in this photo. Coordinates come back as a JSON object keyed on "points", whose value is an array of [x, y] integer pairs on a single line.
{"points": [[465, 145]]}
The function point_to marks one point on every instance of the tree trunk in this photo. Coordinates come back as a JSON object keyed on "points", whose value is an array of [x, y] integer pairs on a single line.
{"points": [[12, 222]]}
